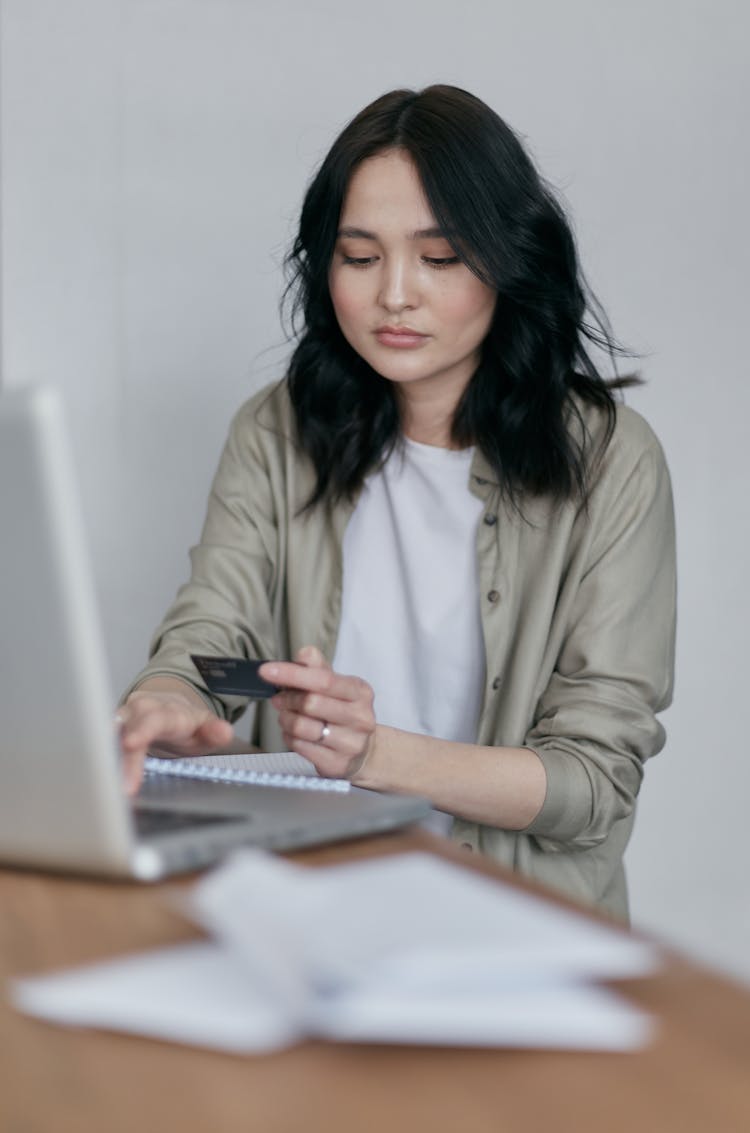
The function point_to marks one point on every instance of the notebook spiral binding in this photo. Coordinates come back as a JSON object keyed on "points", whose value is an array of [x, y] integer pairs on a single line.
{"points": [[191, 769]]}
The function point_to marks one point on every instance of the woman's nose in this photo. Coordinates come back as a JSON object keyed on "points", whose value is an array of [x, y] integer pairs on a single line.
{"points": [[399, 290]]}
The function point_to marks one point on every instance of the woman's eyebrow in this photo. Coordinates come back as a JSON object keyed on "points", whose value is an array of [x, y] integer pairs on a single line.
{"points": [[356, 234], [429, 234], [420, 234]]}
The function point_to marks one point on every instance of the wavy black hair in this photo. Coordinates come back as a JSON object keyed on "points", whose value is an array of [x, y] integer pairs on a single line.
{"points": [[509, 229]]}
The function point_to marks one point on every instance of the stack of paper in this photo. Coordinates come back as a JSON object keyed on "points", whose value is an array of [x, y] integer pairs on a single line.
{"points": [[402, 949]]}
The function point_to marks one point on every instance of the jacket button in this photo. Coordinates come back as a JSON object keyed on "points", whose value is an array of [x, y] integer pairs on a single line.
{"points": [[490, 520], [467, 846], [496, 683], [493, 596]]}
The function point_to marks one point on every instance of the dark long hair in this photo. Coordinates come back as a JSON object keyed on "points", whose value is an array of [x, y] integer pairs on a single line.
{"points": [[506, 225]]}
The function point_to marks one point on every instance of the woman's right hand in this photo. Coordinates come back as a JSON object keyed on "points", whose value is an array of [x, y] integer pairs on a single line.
{"points": [[167, 714]]}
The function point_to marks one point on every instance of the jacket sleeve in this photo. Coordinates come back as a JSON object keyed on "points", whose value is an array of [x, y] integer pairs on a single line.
{"points": [[225, 607], [595, 723]]}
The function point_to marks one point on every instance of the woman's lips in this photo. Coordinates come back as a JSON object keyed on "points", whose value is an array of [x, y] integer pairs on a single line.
{"points": [[403, 338]]}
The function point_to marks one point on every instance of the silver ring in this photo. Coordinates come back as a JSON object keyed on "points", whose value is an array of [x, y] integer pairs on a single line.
{"points": [[325, 733]]}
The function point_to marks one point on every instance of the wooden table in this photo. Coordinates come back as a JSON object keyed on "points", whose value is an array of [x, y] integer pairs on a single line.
{"points": [[694, 1078]]}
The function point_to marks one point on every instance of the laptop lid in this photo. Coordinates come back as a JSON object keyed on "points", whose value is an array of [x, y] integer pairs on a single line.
{"points": [[61, 797]]}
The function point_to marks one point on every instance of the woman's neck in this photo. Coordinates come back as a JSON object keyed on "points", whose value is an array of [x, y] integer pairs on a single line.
{"points": [[426, 419]]}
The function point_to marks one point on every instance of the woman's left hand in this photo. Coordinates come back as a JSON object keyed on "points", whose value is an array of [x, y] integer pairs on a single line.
{"points": [[327, 718]]}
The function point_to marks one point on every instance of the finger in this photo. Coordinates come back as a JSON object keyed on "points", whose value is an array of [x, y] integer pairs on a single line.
{"points": [[351, 714], [213, 732], [336, 737], [204, 739], [287, 674], [132, 763], [295, 727], [146, 723], [330, 764], [312, 657], [132, 766]]}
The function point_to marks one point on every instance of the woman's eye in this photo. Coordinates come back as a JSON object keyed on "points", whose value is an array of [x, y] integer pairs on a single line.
{"points": [[440, 261], [359, 261]]}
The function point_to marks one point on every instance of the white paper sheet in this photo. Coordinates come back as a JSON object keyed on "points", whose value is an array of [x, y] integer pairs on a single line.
{"points": [[192, 993], [200, 995], [407, 949], [410, 920], [552, 1017]]}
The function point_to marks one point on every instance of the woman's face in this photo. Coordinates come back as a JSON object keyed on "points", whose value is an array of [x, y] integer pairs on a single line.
{"points": [[403, 299]]}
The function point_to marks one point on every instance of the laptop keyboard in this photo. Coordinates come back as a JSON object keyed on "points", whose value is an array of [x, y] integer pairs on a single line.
{"points": [[152, 820]]}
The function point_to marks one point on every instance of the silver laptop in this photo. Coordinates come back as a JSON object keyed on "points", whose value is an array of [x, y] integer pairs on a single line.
{"points": [[62, 804]]}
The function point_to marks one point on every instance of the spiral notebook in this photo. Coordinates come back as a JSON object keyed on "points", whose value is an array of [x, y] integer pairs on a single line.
{"points": [[272, 769]]}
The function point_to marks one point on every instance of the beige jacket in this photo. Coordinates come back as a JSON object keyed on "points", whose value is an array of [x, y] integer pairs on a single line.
{"points": [[578, 613]]}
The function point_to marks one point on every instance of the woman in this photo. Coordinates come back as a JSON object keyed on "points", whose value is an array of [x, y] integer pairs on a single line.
{"points": [[443, 499]]}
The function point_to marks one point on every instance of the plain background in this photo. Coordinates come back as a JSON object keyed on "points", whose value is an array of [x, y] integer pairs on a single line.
{"points": [[154, 156]]}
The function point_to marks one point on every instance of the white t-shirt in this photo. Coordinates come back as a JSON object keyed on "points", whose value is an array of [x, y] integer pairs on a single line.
{"points": [[410, 622]]}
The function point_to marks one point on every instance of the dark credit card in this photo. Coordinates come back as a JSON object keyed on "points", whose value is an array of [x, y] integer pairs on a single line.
{"points": [[233, 676]]}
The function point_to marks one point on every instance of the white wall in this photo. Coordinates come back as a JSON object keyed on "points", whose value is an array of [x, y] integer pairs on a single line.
{"points": [[154, 154]]}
